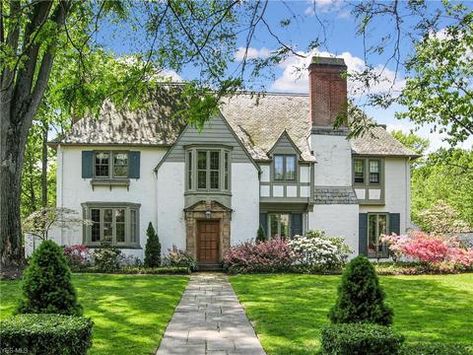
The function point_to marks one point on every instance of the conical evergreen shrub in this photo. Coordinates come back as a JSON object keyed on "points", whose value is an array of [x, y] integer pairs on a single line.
{"points": [[47, 285], [152, 248], [260, 235], [360, 297]]}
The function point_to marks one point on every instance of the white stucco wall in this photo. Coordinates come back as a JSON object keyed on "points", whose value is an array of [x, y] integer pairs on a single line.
{"points": [[333, 155], [337, 220], [170, 200], [397, 191], [245, 202], [72, 189]]}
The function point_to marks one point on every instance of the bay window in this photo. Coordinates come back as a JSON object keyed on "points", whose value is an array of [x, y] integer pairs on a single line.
{"points": [[207, 169], [116, 223]]}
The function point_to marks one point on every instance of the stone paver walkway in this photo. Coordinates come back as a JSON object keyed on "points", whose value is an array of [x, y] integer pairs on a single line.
{"points": [[209, 320]]}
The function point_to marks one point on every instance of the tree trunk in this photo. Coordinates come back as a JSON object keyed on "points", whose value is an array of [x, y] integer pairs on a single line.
{"points": [[44, 166], [12, 149]]}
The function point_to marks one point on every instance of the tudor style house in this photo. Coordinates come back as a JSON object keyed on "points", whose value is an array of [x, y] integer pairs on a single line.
{"points": [[274, 161]]}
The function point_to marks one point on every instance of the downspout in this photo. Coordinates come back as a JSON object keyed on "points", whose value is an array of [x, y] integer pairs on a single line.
{"points": [[408, 193]]}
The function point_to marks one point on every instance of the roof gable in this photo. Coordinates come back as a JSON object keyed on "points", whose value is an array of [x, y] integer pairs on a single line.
{"points": [[285, 144]]}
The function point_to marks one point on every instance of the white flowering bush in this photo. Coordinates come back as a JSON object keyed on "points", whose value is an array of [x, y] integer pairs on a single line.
{"points": [[317, 252]]}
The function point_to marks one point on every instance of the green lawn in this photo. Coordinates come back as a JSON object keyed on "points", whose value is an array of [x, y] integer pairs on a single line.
{"points": [[288, 311], [130, 312]]}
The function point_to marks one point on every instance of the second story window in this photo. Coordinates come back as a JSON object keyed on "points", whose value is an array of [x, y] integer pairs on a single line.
{"points": [[359, 168], [111, 165], [374, 171], [208, 170], [284, 167]]}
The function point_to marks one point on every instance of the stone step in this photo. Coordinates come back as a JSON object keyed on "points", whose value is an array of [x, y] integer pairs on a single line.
{"points": [[210, 267]]}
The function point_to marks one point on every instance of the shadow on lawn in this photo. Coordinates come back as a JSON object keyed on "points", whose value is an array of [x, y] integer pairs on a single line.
{"points": [[289, 311]]}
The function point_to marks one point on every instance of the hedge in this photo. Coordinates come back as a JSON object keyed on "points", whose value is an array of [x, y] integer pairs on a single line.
{"points": [[46, 334], [360, 338], [435, 349]]}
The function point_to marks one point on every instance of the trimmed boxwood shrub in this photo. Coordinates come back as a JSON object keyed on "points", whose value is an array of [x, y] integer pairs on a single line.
{"points": [[360, 296], [46, 334], [47, 285], [435, 349], [361, 338], [152, 248]]}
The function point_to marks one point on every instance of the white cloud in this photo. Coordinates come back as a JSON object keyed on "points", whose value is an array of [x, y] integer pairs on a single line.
{"points": [[252, 53], [323, 6], [294, 77]]}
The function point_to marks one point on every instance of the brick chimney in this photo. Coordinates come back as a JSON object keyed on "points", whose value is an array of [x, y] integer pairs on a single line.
{"points": [[328, 90]]}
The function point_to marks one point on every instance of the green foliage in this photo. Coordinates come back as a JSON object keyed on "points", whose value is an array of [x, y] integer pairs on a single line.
{"points": [[438, 88], [412, 141], [47, 286], [445, 175], [177, 257], [366, 339], [107, 258], [360, 296], [436, 349], [47, 334], [153, 248], [442, 219], [260, 235], [162, 270]]}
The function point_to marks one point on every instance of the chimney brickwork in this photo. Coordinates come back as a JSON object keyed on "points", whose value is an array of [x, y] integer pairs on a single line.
{"points": [[328, 90]]}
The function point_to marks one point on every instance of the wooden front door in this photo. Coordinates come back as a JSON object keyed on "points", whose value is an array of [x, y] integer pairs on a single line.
{"points": [[208, 242]]}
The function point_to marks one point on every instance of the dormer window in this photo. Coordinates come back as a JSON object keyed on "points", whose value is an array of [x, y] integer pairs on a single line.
{"points": [[284, 167]]}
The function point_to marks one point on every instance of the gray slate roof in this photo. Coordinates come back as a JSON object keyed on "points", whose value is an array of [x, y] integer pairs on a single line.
{"points": [[333, 195], [257, 121]]}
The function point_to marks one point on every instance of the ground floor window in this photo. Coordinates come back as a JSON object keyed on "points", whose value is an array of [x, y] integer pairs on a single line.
{"points": [[281, 224], [114, 223], [377, 226]]}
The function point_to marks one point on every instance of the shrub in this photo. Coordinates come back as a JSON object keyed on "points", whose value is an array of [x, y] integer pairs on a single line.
{"points": [[46, 334], [78, 256], [166, 270], [107, 258], [260, 235], [129, 260], [152, 248], [437, 252], [366, 339], [360, 297], [47, 286], [274, 255], [435, 349], [177, 257], [317, 252]]}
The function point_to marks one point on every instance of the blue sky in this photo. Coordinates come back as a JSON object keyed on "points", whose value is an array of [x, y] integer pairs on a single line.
{"points": [[341, 40]]}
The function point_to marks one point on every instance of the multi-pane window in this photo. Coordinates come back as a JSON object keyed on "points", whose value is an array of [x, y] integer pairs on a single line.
{"points": [[367, 171], [111, 164], [374, 171], [359, 168], [279, 225], [377, 226], [285, 167], [117, 225], [212, 169]]}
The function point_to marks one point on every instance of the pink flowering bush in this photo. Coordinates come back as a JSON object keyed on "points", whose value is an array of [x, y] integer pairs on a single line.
{"points": [[438, 252], [274, 255], [78, 256]]}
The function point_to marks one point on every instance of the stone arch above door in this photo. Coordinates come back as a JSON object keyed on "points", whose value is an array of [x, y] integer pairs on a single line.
{"points": [[207, 211]]}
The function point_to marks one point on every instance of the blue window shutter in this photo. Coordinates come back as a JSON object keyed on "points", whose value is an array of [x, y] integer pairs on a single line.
{"points": [[134, 165], [363, 234], [296, 224], [395, 223], [87, 164], [263, 222]]}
